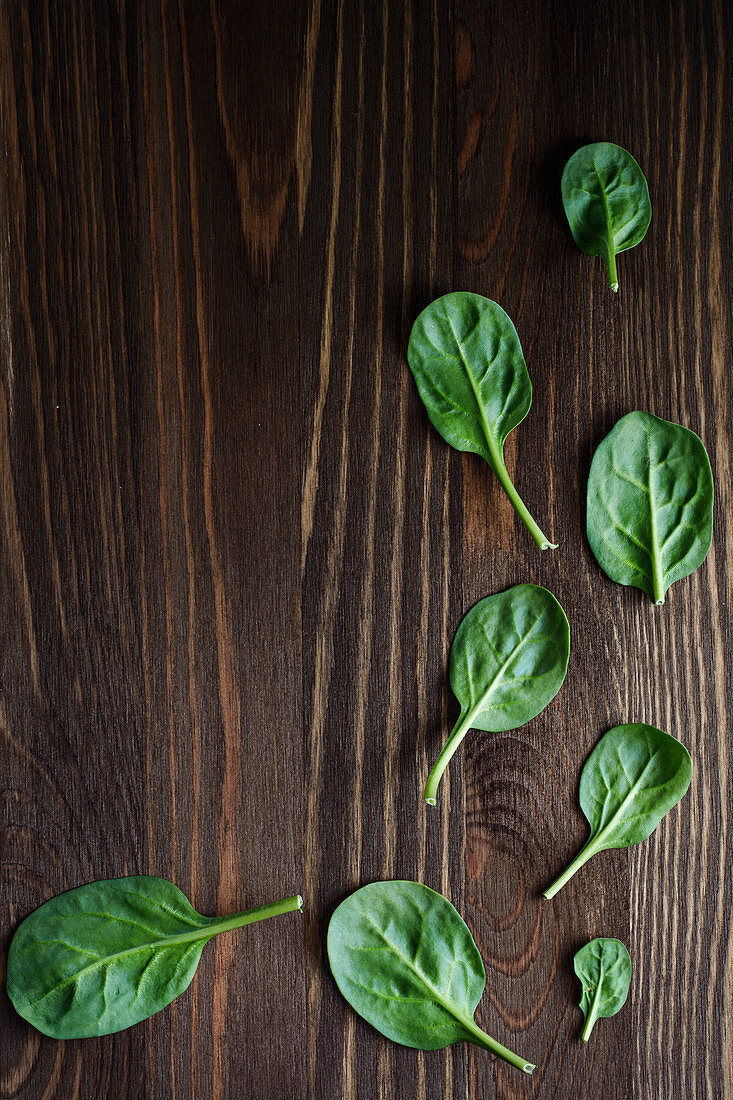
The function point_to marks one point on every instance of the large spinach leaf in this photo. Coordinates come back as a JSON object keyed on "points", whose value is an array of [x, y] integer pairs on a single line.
{"points": [[650, 503], [508, 660], [109, 954], [467, 361], [604, 969], [606, 199], [405, 960], [634, 775]]}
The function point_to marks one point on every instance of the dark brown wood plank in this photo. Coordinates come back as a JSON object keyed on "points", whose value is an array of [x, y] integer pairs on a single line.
{"points": [[151, 683], [380, 506], [234, 553]]}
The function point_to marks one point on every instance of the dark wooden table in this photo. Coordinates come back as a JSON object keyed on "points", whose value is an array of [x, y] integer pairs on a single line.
{"points": [[233, 552]]}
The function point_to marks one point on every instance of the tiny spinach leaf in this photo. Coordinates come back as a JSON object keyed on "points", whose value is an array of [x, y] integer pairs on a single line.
{"points": [[104, 956], [650, 503], [405, 960], [634, 775], [606, 200], [467, 361], [604, 969], [508, 660]]}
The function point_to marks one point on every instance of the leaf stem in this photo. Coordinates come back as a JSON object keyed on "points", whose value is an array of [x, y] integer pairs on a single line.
{"points": [[520, 507], [260, 912], [592, 1014], [611, 268], [656, 556], [460, 730], [583, 855], [483, 1040]]}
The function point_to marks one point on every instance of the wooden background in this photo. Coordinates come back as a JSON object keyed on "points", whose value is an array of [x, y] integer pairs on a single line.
{"points": [[233, 552]]}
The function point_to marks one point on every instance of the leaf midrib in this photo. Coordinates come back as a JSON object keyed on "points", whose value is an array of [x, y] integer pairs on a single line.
{"points": [[480, 703], [494, 449], [657, 563], [608, 827], [152, 945], [451, 1009], [606, 211]]}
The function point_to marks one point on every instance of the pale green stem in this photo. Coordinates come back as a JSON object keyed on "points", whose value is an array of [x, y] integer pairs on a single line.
{"points": [[261, 912], [483, 1040], [521, 508], [460, 730], [239, 920], [583, 855], [658, 582], [592, 1015], [656, 553], [611, 267]]}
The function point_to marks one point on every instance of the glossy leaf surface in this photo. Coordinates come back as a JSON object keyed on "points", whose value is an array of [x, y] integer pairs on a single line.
{"points": [[606, 201], [104, 956], [634, 775], [405, 960], [650, 503], [467, 361], [508, 660], [604, 969]]}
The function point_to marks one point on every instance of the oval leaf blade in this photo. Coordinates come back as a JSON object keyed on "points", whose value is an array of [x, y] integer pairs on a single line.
{"points": [[606, 200], [107, 955], [509, 657], [632, 778], [467, 361], [650, 503], [405, 960], [604, 969], [508, 661]]}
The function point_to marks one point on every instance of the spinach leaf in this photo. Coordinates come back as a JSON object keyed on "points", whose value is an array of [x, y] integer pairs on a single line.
{"points": [[508, 660], [109, 954], [650, 503], [604, 969], [606, 200], [467, 361], [405, 960], [633, 776]]}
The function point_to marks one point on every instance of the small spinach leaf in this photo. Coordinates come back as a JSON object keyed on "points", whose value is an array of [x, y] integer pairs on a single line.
{"points": [[405, 960], [104, 956], [508, 660], [634, 775], [606, 200], [466, 358], [650, 503], [604, 969]]}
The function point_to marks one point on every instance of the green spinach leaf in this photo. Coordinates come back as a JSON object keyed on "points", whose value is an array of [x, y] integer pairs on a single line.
{"points": [[650, 503], [508, 660], [604, 969], [104, 956], [634, 775], [466, 358], [606, 200], [405, 960]]}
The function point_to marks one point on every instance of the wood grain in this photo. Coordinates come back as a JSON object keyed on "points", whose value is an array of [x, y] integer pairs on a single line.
{"points": [[233, 552]]}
